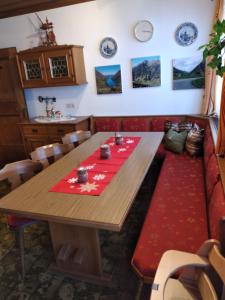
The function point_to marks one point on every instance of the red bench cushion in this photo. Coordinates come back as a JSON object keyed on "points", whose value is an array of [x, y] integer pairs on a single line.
{"points": [[216, 209], [208, 145], [212, 175], [159, 122], [176, 218], [135, 124], [15, 222], [107, 125], [161, 152]]}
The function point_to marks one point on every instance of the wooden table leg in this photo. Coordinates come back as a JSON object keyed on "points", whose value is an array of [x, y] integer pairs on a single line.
{"points": [[77, 252]]}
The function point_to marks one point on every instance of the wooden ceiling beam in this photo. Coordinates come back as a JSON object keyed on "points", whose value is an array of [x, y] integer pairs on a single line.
{"points": [[15, 4], [21, 7]]}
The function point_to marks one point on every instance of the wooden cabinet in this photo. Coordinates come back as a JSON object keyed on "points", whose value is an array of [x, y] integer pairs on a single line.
{"points": [[12, 108], [36, 135], [52, 66]]}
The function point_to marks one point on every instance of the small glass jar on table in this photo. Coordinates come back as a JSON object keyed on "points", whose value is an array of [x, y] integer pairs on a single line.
{"points": [[105, 152], [118, 139], [82, 175]]}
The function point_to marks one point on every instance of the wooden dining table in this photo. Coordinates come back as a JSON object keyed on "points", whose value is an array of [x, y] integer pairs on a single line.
{"points": [[75, 220]]}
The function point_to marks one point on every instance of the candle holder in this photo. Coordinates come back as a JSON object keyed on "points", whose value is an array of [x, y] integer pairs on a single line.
{"points": [[105, 152], [118, 139], [82, 175]]}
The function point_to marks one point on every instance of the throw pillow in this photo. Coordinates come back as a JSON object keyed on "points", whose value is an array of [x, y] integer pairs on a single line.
{"points": [[175, 141], [194, 142], [186, 125], [170, 125]]}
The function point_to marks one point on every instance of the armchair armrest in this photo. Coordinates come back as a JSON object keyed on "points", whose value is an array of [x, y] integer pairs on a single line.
{"points": [[171, 262]]}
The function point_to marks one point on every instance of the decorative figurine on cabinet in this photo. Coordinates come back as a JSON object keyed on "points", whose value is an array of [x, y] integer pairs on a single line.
{"points": [[48, 39]]}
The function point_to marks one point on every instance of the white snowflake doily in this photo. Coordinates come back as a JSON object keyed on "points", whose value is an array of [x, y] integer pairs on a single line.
{"points": [[72, 180], [130, 141], [122, 150], [99, 177], [88, 187], [90, 167]]}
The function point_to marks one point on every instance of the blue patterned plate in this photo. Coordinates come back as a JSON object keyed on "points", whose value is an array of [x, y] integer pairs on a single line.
{"points": [[186, 34], [108, 47]]}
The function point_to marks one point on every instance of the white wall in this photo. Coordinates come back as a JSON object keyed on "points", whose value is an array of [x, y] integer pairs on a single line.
{"points": [[86, 24]]}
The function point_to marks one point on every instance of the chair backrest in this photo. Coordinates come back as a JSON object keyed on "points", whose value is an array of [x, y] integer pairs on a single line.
{"points": [[75, 138], [48, 154], [193, 279], [16, 173]]}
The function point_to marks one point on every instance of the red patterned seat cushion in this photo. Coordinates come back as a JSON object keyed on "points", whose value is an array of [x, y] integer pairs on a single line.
{"points": [[14, 221], [135, 124], [216, 209], [176, 218], [159, 122], [161, 152], [212, 175], [107, 125], [208, 145]]}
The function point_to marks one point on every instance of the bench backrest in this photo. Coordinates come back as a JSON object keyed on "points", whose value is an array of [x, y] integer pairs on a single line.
{"points": [[216, 210]]}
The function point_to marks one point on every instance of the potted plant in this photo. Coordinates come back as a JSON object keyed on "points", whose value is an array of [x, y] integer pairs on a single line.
{"points": [[215, 48]]}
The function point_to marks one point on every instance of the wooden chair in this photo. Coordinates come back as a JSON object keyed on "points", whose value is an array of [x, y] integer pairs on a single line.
{"points": [[193, 281], [48, 154], [75, 138], [11, 176]]}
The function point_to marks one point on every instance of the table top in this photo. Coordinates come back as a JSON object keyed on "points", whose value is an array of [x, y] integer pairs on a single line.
{"points": [[107, 211]]}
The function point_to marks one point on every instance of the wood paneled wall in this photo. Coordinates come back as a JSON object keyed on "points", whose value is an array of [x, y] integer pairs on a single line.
{"points": [[19, 7]]}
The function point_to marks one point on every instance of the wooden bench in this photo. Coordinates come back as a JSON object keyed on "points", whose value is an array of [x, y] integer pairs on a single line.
{"points": [[185, 210]]}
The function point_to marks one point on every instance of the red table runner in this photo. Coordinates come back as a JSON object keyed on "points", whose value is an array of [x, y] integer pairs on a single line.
{"points": [[100, 171]]}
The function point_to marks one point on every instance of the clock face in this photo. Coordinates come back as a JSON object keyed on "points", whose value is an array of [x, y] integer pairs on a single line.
{"points": [[143, 31], [108, 47]]}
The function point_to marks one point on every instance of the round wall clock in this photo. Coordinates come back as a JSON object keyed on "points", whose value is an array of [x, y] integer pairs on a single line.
{"points": [[108, 47], [186, 34], [143, 31]]}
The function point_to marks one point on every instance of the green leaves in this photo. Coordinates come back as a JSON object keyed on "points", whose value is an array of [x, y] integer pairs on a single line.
{"points": [[215, 48]]}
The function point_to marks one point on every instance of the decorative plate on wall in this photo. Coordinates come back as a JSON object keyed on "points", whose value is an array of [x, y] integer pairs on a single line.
{"points": [[108, 47], [186, 34]]}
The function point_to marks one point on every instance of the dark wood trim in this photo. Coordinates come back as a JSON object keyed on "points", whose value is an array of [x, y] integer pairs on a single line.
{"points": [[221, 162], [20, 7], [48, 49]]}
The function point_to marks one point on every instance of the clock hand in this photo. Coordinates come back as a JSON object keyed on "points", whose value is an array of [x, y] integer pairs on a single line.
{"points": [[146, 30]]}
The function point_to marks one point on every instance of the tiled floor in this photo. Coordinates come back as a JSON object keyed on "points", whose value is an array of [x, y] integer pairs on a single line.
{"points": [[42, 283]]}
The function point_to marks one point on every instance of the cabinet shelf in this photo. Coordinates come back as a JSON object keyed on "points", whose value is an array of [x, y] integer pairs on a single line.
{"points": [[51, 66]]}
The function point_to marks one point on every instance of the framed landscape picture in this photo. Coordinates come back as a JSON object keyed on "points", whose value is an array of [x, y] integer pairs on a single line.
{"points": [[108, 79], [146, 71], [188, 73]]}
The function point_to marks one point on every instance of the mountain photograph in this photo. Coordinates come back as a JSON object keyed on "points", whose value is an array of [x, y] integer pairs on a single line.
{"points": [[188, 73], [146, 71], [108, 79]]}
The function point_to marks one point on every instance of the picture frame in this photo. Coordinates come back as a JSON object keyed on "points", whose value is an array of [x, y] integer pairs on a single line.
{"points": [[146, 71], [188, 73], [108, 79]]}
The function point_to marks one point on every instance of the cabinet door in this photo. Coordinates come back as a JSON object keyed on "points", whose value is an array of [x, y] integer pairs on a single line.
{"points": [[12, 109], [32, 70], [59, 65]]}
